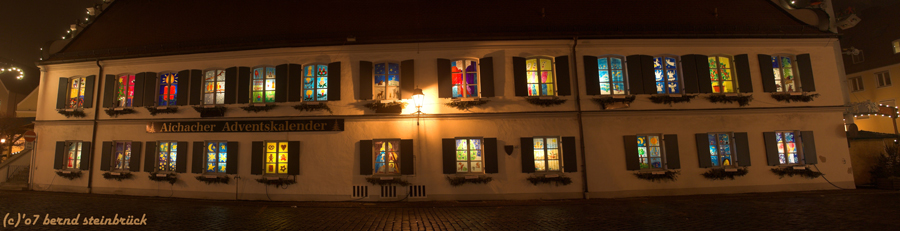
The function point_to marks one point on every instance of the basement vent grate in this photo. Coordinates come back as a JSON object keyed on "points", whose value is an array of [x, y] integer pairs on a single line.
{"points": [[388, 191], [417, 191], [360, 191]]}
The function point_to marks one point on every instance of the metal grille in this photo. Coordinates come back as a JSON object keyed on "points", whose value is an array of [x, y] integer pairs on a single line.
{"points": [[360, 191], [388, 191], [417, 191]]}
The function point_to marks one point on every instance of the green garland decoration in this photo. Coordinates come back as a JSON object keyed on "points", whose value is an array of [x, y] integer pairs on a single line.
{"points": [[216, 180], [170, 177], [465, 105], [313, 107], [795, 98], [379, 181], [252, 108], [721, 174], [217, 111], [460, 180], [120, 177], [69, 175], [378, 105], [605, 101], [667, 176], [666, 99], [790, 171], [535, 180], [742, 100], [277, 183], [545, 102], [75, 113], [168, 110], [115, 113]]}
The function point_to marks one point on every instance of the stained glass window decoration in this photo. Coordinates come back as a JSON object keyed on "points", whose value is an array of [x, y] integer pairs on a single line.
{"points": [[721, 74], [387, 81], [216, 156], [263, 85], [540, 77], [464, 75], [650, 152], [787, 147], [168, 89], [612, 75], [167, 156], [387, 156], [73, 154], [469, 157], [276, 157], [783, 68], [214, 87], [76, 93], [315, 82], [665, 69], [720, 149], [546, 154], [124, 90], [122, 155]]}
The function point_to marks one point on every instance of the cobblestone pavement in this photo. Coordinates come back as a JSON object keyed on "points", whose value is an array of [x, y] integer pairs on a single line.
{"points": [[859, 209]]}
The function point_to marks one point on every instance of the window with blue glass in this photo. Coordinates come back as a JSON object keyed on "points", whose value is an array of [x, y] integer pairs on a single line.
{"points": [[785, 78], [387, 81], [122, 156], [216, 156], [650, 151], [387, 157], [720, 149], [665, 69], [168, 89], [465, 78], [787, 147], [612, 75], [263, 90], [315, 83]]}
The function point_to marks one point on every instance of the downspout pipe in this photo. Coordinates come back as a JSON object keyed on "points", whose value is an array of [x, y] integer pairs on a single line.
{"points": [[578, 115], [94, 143]]}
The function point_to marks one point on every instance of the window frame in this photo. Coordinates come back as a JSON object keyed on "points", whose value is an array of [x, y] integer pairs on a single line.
{"points": [[858, 58], [734, 82], [169, 153], [856, 84], [662, 153], [546, 160], [883, 77], [277, 162], [398, 151], [159, 96], [896, 45], [554, 82], [203, 92], [316, 88], [679, 78], [118, 87], [780, 80], [218, 158], [80, 95], [465, 85], [798, 147], [731, 146], [274, 79], [469, 160], [609, 69], [77, 159], [126, 154], [386, 86]]}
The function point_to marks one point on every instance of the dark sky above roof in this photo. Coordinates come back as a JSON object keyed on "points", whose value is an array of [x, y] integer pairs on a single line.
{"points": [[160, 27]]}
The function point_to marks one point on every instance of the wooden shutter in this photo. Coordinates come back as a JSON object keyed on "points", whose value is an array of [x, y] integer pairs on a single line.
{"points": [[407, 158], [243, 85], [281, 83], [690, 76], [151, 157], [196, 88], [89, 91], [490, 155], [741, 149], [520, 80], [256, 157], [60, 156], [62, 93], [766, 72], [809, 147], [570, 156], [564, 85], [673, 160], [105, 155], [181, 154], [295, 82], [771, 148], [231, 80], [742, 70], [591, 75], [293, 157], [199, 160], [635, 75], [365, 82], [234, 156], [703, 154], [86, 154], [649, 75], [407, 78], [804, 67], [486, 67], [109, 91], [527, 144], [448, 154], [365, 157], [704, 83], [184, 86], [138, 100], [334, 81], [631, 153], [149, 88], [134, 164], [444, 79]]}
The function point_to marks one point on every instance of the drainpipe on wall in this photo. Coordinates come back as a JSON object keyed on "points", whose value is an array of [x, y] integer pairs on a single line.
{"points": [[574, 67], [94, 133]]}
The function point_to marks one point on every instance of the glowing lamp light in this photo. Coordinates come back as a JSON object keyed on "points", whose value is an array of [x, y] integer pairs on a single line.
{"points": [[418, 98], [3, 140]]}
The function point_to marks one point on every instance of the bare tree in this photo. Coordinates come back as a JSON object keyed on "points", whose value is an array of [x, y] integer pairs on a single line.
{"points": [[11, 129]]}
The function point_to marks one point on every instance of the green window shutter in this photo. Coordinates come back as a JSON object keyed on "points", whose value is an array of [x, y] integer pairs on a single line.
{"points": [[365, 157], [407, 78], [673, 161], [690, 76], [196, 88], [295, 82], [89, 91], [199, 160], [649, 76], [527, 145], [570, 157], [105, 154], [184, 87], [490, 155], [703, 154], [486, 66], [150, 90], [231, 164], [771, 148], [293, 157], [231, 80], [591, 75], [181, 157], [804, 69], [365, 81], [742, 69], [809, 147], [86, 155], [766, 73], [632, 162], [703, 82], [60, 156], [635, 75], [444, 79], [520, 80], [135, 164], [281, 83], [448, 154], [256, 157], [564, 85], [109, 92], [138, 100], [742, 148], [150, 160], [243, 85], [334, 81], [61, 93], [407, 158]]}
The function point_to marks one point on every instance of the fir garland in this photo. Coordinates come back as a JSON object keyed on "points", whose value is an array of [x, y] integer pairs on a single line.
{"points": [[790, 171], [69, 175], [252, 108], [379, 106], [721, 174], [170, 177], [535, 180], [75, 113], [742, 100], [313, 107], [214, 180], [379, 181], [666, 99], [115, 113], [666, 176], [217, 111], [465, 105], [168, 110], [120, 177], [545, 102], [460, 180], [795, 98], [607, 100], [277, 183]]}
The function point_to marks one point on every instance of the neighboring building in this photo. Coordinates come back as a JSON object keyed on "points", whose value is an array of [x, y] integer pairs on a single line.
{"points": [[142, 90]]}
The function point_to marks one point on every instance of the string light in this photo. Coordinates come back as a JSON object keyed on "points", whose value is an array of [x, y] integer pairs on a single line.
{"points": [[14, 69]]}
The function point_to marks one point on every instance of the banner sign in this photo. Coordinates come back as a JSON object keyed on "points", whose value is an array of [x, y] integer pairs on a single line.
{"points": [[247, 126]]}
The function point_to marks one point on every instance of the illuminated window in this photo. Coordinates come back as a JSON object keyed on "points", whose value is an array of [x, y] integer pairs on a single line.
{"points": [[124, 90], [214, 90], [168, 89], [73, 154], [469, 155], [785, 80], [387, 81], [216, 156], [720, 146], [546, 154], [856, 84], [465, 78], [883, 79], [168, 151], [276, 157], [76, 93], [896, 45], [666, 70], [540, 78], [650, 151], [315, 83], [787, 147], [387, 156], [122, 155], [721, 74], [263, 90], [612, 80]]}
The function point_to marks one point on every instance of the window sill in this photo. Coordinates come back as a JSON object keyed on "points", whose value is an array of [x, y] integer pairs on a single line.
{"points": [[466, 99], [115, 112], [72, 112]]}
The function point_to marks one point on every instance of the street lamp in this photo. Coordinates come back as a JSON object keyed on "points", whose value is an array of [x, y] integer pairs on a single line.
{"points": [[418, 100]]}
